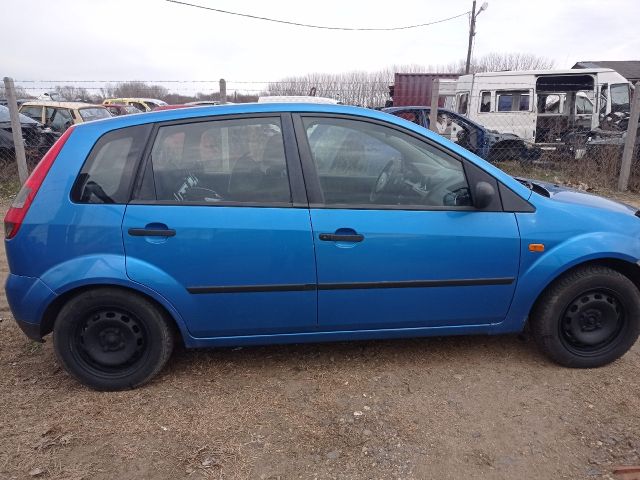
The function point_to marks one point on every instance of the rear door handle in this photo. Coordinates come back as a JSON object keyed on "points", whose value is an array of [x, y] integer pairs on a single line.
{"points": [[152, 232], [336, 237]]}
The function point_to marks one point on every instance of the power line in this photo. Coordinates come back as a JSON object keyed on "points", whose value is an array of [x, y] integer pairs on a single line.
{"points": [[322, 27]]}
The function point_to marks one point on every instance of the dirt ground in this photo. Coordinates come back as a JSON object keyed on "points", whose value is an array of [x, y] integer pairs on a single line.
{"points": [[439, 408]]}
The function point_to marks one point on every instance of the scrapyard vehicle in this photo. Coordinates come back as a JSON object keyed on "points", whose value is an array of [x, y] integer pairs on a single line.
{"points": [[488, 144], [36, 139], [142, 104], [59, 116], [546, 107]]}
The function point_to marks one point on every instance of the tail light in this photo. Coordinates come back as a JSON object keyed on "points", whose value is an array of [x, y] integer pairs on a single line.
{"points": [[20, 206]]}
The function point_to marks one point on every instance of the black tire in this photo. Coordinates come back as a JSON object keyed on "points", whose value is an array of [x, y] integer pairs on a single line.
{"points": [[587, 318], [112, 339]]}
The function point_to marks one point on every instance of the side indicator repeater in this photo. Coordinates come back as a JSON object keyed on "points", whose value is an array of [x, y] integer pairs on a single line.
{"points": [[536, 247]]}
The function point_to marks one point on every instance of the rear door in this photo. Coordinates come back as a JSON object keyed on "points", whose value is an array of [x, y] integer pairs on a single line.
{"points": [[398, 241], [220, 227]]}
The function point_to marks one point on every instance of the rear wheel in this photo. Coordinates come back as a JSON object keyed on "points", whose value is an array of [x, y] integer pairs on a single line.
{"points": [[587, 318], [111, 339]]}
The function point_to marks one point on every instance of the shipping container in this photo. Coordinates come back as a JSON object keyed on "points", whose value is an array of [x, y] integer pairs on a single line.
{"points": [[414, 89]]}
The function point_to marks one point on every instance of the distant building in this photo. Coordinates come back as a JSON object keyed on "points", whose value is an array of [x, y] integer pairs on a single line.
{"points": [[629, 69]]}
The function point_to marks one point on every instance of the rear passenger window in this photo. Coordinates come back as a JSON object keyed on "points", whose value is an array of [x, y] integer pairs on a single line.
{"points": [[513, 101], [220, 161], [107, 175]]}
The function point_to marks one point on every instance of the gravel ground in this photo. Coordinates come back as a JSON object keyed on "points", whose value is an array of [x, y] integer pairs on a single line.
{"points": [[441, 408]]}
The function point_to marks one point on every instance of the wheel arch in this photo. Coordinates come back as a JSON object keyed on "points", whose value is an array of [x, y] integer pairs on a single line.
{"points": [[629, 269], [51, 312]]}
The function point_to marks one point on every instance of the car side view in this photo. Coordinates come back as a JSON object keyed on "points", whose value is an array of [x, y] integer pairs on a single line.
{"points": [[286, 223]]}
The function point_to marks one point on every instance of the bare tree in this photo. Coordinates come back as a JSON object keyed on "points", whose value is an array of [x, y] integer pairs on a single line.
{"points": [[72, 93], [371, 89], [498, 62], [135, 89], [21, 92]]}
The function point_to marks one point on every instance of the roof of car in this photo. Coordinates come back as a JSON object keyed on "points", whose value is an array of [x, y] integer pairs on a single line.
{"points": [[440, 110], [242, 108], [71, 105], [134, 99]]}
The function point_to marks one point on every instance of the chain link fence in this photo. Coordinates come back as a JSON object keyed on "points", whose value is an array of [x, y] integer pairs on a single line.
{"points": [[563, 133]]}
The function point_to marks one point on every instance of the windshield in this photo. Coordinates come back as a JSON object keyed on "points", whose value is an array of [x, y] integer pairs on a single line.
{"points": [[4, 116], [94, 113]]}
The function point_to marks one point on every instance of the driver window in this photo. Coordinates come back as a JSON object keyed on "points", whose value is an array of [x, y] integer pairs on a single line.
{"points": [[218, 161], [59, 119], [361, 164]]}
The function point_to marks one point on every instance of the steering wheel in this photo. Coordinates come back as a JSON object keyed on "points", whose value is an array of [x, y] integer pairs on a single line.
{"points": [[459, 196], [388, 176]]}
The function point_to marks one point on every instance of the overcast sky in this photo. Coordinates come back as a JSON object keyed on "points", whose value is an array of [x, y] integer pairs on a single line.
{"points": [[157, 40]]}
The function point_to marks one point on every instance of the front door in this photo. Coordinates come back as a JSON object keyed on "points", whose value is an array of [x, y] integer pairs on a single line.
{"points": [[214, 229], [398, 241]]}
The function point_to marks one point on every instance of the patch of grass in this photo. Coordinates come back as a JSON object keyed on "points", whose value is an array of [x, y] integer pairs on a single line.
{"points": [[9, 187], [33, 348], [547, 172]]}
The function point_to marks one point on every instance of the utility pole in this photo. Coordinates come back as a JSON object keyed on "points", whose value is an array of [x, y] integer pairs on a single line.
{"points": [[472, 31]]}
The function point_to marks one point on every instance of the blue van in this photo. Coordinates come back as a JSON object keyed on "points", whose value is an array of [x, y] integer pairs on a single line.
{"points": [[280, 223]]}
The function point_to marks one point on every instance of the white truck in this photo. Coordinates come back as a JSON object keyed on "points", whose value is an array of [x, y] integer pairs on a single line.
{"points": [[546, 107]]}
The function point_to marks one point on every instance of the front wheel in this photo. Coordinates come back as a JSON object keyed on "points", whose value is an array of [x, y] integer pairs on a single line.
{"points": [[111, 339], [587, 318]]}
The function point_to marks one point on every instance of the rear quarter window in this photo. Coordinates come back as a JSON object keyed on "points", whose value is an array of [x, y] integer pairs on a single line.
{"points": [[108, 173]]}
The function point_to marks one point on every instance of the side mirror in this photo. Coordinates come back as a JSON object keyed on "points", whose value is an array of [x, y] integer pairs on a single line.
{"points": [[483, 195]]}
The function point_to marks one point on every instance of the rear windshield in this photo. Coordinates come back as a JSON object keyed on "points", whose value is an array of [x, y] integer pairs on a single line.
{"points": [[5, 117], [107, 175], [94, 113]]}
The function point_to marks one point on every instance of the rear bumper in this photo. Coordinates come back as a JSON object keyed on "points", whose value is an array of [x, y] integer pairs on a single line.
{"points": [[28, 297]]}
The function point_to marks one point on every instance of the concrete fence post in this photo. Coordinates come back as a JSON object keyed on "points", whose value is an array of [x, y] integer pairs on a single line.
{"points": [[435, 97], [223, 91], [630, 141], [16, 129]]}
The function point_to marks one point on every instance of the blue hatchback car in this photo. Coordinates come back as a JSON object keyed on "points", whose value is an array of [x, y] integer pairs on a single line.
{"points": [[278, 223]]}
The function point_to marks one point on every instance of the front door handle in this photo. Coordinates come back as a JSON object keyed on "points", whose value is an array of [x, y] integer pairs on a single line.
{"points": [[152, 232], [337, 237]]}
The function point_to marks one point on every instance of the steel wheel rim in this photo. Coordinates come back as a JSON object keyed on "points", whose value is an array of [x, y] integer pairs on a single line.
{"points": [[592, 323], [110, 341]]}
